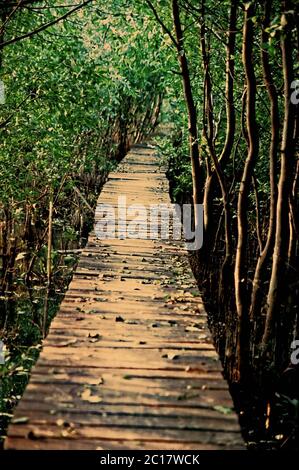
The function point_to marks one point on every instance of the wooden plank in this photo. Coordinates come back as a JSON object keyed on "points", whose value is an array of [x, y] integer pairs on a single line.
{"points": [[96, 444], [40, 432], [66, 418]]}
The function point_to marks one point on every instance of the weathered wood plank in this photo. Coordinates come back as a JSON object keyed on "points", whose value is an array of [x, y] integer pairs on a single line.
{"points": [[108, 444]]}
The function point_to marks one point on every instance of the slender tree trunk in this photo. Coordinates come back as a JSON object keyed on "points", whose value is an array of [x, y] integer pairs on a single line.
{"points": [[230, 119], [49, 264], [294, 213], [266, 252], [157, 111], [209, 129], [197, 171], [229, 86], [282, 236], [240, 264]]}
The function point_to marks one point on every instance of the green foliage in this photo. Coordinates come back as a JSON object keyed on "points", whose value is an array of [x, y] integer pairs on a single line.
{"points": [[77, 96]]}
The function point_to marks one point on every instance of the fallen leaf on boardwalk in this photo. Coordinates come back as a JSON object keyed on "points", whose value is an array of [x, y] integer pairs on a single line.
{"points": [[173, 356], [184, 307], [32, 435], [62, 424], [21, 420], [170, 356], [86, 395], [187, 396], [96, 336], [106, 277], [223, 409], [157, 297], [61, 377], [160, 324], [203, 336], [67, 343], [194, 293], [94, 340], [194, 327], [119, 319], [131, 322], [68, 432], [94, 381]]}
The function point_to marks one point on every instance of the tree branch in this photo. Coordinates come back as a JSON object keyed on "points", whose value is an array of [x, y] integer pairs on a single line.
{"points": [[164, 27], [44, 26]]}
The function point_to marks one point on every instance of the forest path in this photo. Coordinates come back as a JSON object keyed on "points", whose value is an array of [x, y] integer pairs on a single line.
{"points": [[129, 362]]}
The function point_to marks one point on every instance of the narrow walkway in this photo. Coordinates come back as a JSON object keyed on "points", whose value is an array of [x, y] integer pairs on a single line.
{"points": [[129, 362]]}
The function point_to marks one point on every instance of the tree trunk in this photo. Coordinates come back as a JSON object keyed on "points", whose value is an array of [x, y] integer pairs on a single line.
{"points": [[197, 171], [256, 297], [251, 127], [279, 264], [208, 131]]}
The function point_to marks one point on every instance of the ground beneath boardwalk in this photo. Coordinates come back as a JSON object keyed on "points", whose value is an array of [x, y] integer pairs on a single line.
{"points": [[129, 361]]}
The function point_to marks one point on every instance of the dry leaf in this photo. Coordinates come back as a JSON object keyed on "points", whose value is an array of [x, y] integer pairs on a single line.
{"points": [[86, 395]]}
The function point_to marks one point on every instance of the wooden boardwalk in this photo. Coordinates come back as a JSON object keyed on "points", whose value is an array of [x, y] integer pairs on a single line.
{"points": [[129, 362]]}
